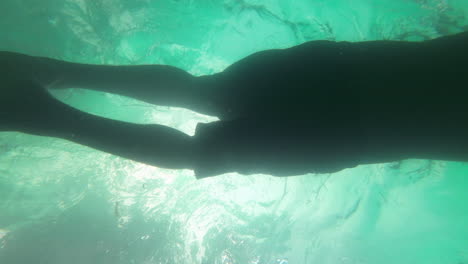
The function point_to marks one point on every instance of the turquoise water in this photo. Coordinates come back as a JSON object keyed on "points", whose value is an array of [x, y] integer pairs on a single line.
{"points": [[65, 203]]}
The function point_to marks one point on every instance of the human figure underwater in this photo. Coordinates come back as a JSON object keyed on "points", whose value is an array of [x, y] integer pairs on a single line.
{"points": [[317, 107]]}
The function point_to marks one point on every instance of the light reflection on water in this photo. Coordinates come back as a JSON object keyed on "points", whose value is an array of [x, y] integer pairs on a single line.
{"points": [[73, 199], [3, 233]]}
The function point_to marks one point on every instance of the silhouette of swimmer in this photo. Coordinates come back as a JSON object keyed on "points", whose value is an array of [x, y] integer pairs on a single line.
{"points": [[318, 107]]}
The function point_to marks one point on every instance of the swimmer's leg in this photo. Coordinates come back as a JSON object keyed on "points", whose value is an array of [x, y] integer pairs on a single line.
{"points": [[156, 84], [38, 113]]}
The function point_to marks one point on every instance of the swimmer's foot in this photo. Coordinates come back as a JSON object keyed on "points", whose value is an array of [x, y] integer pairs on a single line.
{"points": [[45, 71], [23, 104], [24, 100]]}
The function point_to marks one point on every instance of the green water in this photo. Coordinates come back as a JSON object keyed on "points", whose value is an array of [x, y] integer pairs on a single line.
{"points": [[64, 203]]}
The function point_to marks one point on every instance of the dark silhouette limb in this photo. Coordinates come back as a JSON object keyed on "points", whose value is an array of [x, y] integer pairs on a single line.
{"points": [[38, 113], [318, 107], [156, 84]]}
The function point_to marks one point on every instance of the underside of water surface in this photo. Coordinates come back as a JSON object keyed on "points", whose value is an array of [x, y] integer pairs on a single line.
{"points": [[65, 203]]}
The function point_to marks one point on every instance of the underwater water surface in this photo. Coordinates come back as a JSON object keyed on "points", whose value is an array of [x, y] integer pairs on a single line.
{"points": [[65, 203]]}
